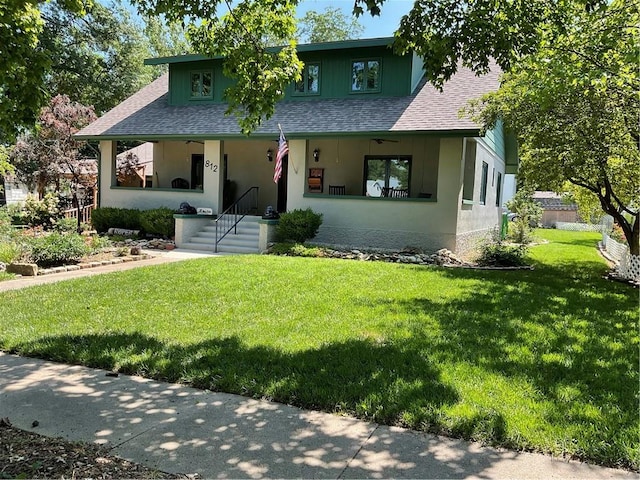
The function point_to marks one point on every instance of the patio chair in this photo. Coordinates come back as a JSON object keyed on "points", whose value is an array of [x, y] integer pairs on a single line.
{"points": [[337, 190], [400, 193], [179, 183]]}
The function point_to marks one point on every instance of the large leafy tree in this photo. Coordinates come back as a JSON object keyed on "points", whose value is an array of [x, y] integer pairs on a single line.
{"points": [[328, 26], [23, 63], [97, 58], [41, 159]]}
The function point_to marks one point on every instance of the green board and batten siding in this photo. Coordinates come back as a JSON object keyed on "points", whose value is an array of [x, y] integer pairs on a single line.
{"points": [[397, 77]]}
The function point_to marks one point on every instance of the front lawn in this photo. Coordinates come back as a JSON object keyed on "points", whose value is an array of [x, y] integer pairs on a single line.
{"points": [[542, 360]]}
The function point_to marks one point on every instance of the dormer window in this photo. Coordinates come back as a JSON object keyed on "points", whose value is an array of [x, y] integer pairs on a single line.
{"points": [[309, 84], [365, 75], [202, 84]]}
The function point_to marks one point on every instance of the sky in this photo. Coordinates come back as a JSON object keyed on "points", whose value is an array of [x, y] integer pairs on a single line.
{"points": [[383, 26]]}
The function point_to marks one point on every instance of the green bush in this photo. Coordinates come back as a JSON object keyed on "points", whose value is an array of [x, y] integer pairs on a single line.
{"points": [[57, 249], [42, 213], [299, 225], [498, 254], [98, 243], [9, 251], [66, 225], [6, 229], [158, 221], [296, 250], [17, 213], [105, 218], [528, 214]]}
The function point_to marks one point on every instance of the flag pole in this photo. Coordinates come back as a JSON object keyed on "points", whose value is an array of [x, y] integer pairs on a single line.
{"points": [[295, 169]]}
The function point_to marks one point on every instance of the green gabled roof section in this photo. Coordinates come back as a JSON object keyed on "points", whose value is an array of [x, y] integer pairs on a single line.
{"points": [[148, 114], [307, 47]]}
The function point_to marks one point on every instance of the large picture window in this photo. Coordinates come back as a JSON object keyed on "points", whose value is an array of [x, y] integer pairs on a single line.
{"points": [[365, 75], [309, 84], [387, 176], [202, 84]]}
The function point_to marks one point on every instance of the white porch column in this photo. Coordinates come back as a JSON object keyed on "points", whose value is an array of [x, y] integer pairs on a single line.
{"points": [[213, 175], [107, 173], [296, 173]]}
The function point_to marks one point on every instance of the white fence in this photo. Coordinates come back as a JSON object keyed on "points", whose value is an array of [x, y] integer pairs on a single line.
{"points": [[579, 227], [628, 265]]}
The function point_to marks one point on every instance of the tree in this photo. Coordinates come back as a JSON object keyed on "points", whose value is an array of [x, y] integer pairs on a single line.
{"points": [[23, 63], [574, 104], [241, 37], [330, 26], [96, 59], [53, 152]]}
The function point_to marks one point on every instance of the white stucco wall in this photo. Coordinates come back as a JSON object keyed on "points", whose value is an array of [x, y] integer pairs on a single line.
{"points": [[476, 220], [173, 160], [147, 198]]}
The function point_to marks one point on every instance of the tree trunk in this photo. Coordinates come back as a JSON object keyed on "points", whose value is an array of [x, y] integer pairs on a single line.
{"points": [[634, 241]]}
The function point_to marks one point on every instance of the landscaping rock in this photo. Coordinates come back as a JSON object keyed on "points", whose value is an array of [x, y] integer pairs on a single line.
{"points": [[25, 269]]}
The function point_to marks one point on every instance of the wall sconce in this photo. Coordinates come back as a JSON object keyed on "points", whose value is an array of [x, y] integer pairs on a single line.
{"points": [[316, 154], [270, 155]]}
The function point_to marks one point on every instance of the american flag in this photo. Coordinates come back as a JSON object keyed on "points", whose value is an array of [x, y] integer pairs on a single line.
{"points": [[283, 149]]}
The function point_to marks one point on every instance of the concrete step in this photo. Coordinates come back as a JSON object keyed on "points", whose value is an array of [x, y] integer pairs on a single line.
{"points": [[246, 240]]}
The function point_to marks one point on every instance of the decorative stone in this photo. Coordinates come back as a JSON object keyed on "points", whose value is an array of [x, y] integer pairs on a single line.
{"points": [[25, 269], [72, 268], [135, 251]]}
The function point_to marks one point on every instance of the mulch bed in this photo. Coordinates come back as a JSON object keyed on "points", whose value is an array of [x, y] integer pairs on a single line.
{"points": [[29, 455]]}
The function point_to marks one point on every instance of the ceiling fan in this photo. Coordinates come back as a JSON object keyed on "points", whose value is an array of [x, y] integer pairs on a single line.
{"points": [[381, 140]]}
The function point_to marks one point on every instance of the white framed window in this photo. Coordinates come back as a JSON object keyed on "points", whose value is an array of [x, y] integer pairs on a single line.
{"points": [[365, 75], [202, 84]]}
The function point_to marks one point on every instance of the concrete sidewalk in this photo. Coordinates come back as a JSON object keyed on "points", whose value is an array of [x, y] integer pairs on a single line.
{"points": [[183, 430], [158, 257]]}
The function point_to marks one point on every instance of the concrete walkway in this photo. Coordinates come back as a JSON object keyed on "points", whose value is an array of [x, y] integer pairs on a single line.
{"points": [[183, 430], [158, 257]]}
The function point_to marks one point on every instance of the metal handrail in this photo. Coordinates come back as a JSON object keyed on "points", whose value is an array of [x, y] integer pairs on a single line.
{"points": [[229, 219]]}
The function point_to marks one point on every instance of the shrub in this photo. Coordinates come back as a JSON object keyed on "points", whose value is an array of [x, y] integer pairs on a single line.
{"points": [[6, 229], [299, 225], [296, 250], [158, 221], [105, 218], [42, 213], [66, 225], [528, 214], [57, 249], [9, 251], [97, 243], [498, 254], [17, 213]]}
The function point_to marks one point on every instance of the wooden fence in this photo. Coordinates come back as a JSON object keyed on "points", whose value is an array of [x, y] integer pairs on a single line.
{"points": [[85, 213]]}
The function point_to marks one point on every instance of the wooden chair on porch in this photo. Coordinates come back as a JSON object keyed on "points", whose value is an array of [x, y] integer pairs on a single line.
{"points": [[180, 183], [337, 190]]}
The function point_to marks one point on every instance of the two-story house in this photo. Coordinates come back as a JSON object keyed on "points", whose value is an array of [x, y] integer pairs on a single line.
{"points": [[384, 156]]}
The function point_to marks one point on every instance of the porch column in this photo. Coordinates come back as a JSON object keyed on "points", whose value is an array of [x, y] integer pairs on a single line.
{"points": [[213, 175], [296, 173], [107, 169]]}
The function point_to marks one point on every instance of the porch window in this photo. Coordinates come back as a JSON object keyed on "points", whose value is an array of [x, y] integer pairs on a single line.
{"points": [[385, 174], [365, 76], [310, 82], [202, 84], [469, 170], [483, 184], [499, 190]]}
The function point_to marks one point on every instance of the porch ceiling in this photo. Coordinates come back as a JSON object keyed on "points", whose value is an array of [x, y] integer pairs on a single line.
{"points": [[147, 114]]}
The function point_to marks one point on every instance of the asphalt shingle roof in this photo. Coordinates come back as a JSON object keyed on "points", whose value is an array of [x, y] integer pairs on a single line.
{"points": [[148, 114]]}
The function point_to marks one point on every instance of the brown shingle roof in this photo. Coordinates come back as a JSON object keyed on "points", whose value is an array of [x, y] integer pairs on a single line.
{"points": [[148, 114]]}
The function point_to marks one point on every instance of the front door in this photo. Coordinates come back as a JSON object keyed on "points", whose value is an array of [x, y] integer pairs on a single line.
{"points": [[282, 186], [197, 171]]}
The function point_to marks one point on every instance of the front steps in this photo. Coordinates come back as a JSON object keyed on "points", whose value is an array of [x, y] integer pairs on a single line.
{"points": [[245, 240]]}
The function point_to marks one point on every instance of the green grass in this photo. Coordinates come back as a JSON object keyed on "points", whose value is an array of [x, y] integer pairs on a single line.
{"points": [[543, 360], [6, 276]]}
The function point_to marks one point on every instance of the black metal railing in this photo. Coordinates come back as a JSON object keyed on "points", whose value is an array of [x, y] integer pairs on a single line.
{"points": [[229, 219]]}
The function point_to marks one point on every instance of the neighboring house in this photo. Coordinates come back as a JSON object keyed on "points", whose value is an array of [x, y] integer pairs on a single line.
{"points": [[12, 191], [555, 209], [411, 171]]}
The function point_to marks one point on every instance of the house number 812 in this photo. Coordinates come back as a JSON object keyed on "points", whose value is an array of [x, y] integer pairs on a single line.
{"points": [[211, 166]]}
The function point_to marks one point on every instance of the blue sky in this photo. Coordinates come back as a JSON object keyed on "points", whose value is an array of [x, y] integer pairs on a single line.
{"points": [[382, 26]]}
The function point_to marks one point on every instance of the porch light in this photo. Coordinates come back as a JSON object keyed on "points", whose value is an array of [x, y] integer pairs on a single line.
{"points": [[316, 154], [270, 155]]}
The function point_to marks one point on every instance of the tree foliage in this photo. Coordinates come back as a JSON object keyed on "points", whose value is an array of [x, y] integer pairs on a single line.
{"points": [[97, 58], [41, 159], [329, 26], [574, 104], [23, 63]]}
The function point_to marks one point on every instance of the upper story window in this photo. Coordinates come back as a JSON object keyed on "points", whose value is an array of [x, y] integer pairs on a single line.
{"points": [[310, 82], [202, 84], [365, 75]]}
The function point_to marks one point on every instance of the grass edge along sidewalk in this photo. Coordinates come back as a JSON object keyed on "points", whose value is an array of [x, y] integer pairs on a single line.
{"points": [[542, 360]]}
